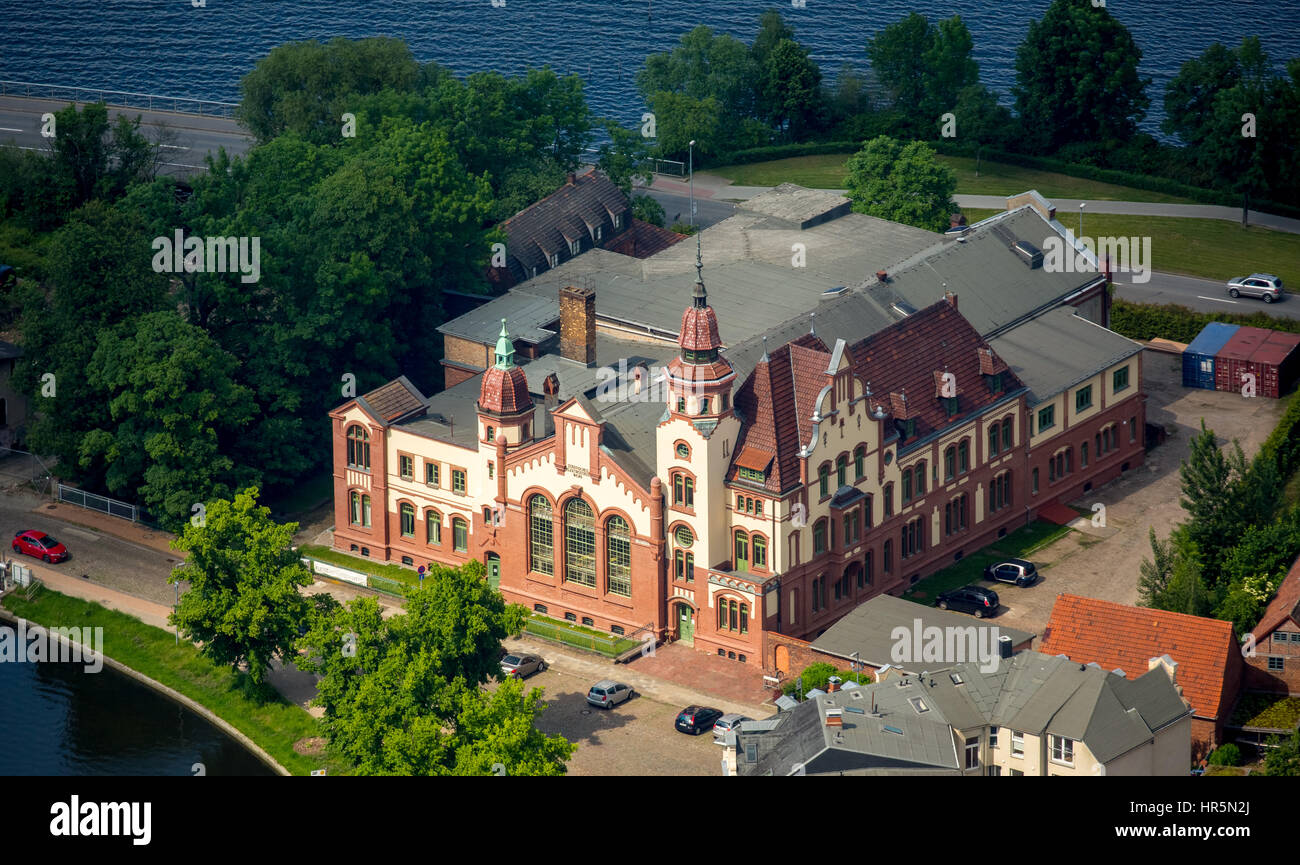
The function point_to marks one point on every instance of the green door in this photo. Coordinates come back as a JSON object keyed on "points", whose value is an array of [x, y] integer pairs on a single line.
{"points": [[494, 570], [685, 626]]}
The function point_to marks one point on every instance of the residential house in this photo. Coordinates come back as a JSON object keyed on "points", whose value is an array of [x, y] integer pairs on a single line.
{"points": [[1273, 655]]}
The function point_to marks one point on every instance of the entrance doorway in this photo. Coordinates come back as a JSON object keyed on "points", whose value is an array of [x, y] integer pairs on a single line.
{"points": [[494, 570], [685, 625]]}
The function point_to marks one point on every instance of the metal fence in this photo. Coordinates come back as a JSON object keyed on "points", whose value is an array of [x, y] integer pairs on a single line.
{"points": [[118, 98], [24, 467], [669, 166], [104, 505], [609, 645]]}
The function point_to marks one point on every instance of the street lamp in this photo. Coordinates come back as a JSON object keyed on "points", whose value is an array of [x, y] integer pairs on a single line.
{"points": [[1082, 205], [691, 157]]}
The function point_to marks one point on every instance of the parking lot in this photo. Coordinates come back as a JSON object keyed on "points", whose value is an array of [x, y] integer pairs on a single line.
{"points": [[635, 737], [1104, 562]]}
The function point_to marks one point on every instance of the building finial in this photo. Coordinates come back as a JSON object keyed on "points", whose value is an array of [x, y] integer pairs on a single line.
{"points": [[764, 358], [700, 295], [505, 349], [812, 325]]}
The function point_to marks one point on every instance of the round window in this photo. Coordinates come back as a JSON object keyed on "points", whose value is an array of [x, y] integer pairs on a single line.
{"points": [[684, 537], [889, 457]]}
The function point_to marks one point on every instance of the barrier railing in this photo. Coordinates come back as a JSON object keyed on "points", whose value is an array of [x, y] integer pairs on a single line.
{"points": [[118, 98]]}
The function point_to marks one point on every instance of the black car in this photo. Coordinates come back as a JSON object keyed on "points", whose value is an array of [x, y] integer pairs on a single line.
{"points": [[697, 719], [978, 600], [1017, 571]]}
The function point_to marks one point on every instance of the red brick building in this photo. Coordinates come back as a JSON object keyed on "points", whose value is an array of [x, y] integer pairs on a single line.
{"points": [[1274, 665]]}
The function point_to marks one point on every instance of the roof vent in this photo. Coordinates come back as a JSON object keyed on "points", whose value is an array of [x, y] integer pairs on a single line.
{"points": [[1029, 254], [837, 291], [903, 308]]}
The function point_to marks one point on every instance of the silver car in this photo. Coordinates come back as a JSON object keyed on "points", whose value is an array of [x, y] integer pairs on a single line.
{"points": [[1262, 285], [725, 725], [607, 693], [520, 666]]}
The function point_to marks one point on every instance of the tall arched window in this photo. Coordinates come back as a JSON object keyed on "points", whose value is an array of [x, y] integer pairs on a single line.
{"points": [[358, 448], [841, 470], [760, 551], [579, 543], [742, 551], [459, 535], [819, 537], [824, 480], [365, 511], [355, 511], [433, 526], [993, 441], [1006, 434], [919, 474], [408, 520], [618, 557], [949, 462], [541, 536], [683, 558], [859, 462]]}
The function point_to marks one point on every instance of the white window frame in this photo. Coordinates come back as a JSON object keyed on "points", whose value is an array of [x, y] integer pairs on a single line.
{"points": [[1017, 744], [1066, 746]]}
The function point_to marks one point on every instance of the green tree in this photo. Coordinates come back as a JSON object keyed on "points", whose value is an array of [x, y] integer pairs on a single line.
{"points": [[243, 604], [1077, 79], [647, 209], [901, 183], [680, 119], [981, 120], [174, 409], [1211, 481], [306, 87], [496, 733], [623, 157], [924, 67], [791, 90], [1154, 573], [1284, 759]]}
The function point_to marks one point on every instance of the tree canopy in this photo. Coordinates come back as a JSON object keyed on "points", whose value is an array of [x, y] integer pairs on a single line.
{"points": [[902, 183]]}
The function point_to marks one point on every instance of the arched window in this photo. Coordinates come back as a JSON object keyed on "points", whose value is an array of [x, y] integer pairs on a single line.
{"points": [[460, 535], [963, 456], [919, 477], [683, 558], [408, 520], [355, 508], [358, 448], [907, 485], [433, 526], [579, 543], [541, 536], [949, 463], [690, 493], [365, 511], [859, 462], [618, 557], [742, 551], [994, 438], [819, 537], [824, 480], [759, 545], [841, 470], [491, 434], [1006, 434]]}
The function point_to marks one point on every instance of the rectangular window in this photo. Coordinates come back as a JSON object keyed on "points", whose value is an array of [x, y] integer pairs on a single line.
{"points": [[460, 535], [907, 485], [1006, 435], [406, 466], [963, 456], [993, 737], [1062, 750], [458, 482], [973, 752], [1046, 418], [1034, 486], [1083, 398], [859, 460], [432, 474], [888, 564], [1017, 744], [1276, 664], [1083, 455], [1132, 430], [889, 500], [824, 481], [1119, 380]]}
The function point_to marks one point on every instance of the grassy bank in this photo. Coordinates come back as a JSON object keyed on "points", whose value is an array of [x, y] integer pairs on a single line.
{"points": [[827, 172], [275, 725], [1209, 248]]}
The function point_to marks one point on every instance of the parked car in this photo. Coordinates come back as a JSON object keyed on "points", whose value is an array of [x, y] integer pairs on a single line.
{"points": [[697, 719], [969, 599], [520, 666], [1262, 285], [44, 547], [1017, 571], [607, 693], [726, 724]]}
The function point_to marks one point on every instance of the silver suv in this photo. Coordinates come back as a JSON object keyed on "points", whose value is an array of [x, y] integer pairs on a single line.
{"points": [[1261, 285]]}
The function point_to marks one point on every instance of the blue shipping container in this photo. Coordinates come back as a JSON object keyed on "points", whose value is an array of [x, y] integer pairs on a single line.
{"points": [[1198, 357]]}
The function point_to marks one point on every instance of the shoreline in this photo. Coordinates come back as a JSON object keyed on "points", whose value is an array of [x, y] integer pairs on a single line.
{"points": [[172, 694]]}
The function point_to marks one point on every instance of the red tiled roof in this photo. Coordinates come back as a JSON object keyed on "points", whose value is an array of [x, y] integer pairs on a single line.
{"points": [[504, 391], [642, 240], [990, 363], [393, 400], [899, 408], [1285, 605], [938, 384], [570, 213], [699, 329], [939, 334], [755, 458], [777, 400], [1117, 635]]}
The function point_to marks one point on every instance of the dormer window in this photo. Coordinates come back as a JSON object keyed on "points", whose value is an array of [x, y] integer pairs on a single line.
{"points": [[599, 229], [994, 382], [574, 247], [753, 475], [950, 405], [554, 259], [907, 428], [618, 221], [704, 405]]}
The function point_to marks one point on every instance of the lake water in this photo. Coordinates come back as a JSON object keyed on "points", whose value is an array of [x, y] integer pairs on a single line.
{"points": [[171, 48], [57, 719]]}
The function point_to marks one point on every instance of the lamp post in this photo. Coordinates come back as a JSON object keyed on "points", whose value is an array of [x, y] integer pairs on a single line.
{"points": [[691, 171], [1082, 204]]}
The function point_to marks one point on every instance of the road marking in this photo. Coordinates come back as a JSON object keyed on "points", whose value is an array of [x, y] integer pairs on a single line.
{"points": [[173, 147], [8, 129], [1219, 299]]}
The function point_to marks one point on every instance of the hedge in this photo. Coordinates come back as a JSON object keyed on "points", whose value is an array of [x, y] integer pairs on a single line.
{"points": [[1151, 183], [1150, 320]]}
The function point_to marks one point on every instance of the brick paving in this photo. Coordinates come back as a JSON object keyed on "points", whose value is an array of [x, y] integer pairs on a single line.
{"points": [[706, 674]]}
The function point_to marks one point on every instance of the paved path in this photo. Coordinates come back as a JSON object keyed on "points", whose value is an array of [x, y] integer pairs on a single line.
{"points": [[711, 186]]}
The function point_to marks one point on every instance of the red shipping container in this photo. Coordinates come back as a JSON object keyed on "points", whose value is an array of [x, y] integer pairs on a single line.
{"points": [[1274, 363], [1234, 358]]}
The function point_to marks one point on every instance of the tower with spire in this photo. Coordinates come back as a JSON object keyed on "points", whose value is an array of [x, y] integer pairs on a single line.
{"points": [[505, 407]]}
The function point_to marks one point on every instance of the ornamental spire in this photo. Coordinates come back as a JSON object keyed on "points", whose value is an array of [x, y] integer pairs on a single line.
{"points": [[505, 349]]}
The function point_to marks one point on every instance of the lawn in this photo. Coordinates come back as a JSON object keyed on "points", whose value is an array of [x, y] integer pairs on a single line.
{"points": [[273, 723], [1209, 248], [1019, 544], [827, 171]]}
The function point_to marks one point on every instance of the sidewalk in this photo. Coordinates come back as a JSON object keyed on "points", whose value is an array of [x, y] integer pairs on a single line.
{"points": [[65, 583], [136, 533]]}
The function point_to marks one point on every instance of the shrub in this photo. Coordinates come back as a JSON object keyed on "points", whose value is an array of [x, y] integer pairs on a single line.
{"points": [[1226, 755], [818, 676]]}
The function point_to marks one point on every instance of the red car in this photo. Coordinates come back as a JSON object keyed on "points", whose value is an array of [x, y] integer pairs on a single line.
{"points": [[40, 545]]}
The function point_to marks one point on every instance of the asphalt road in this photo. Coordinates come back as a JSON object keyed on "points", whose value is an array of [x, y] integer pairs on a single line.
{"points": [[1205, 295], [195, 135], [677, 208], [107, 560]]}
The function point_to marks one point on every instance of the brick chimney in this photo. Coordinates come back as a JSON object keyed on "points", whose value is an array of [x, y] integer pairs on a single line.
{"points": [[578, 324], [572, 178], [833, 684], [951, 298]]}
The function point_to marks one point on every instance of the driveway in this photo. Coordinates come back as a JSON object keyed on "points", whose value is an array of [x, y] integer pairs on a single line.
{"points": [[1104, 562]]}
